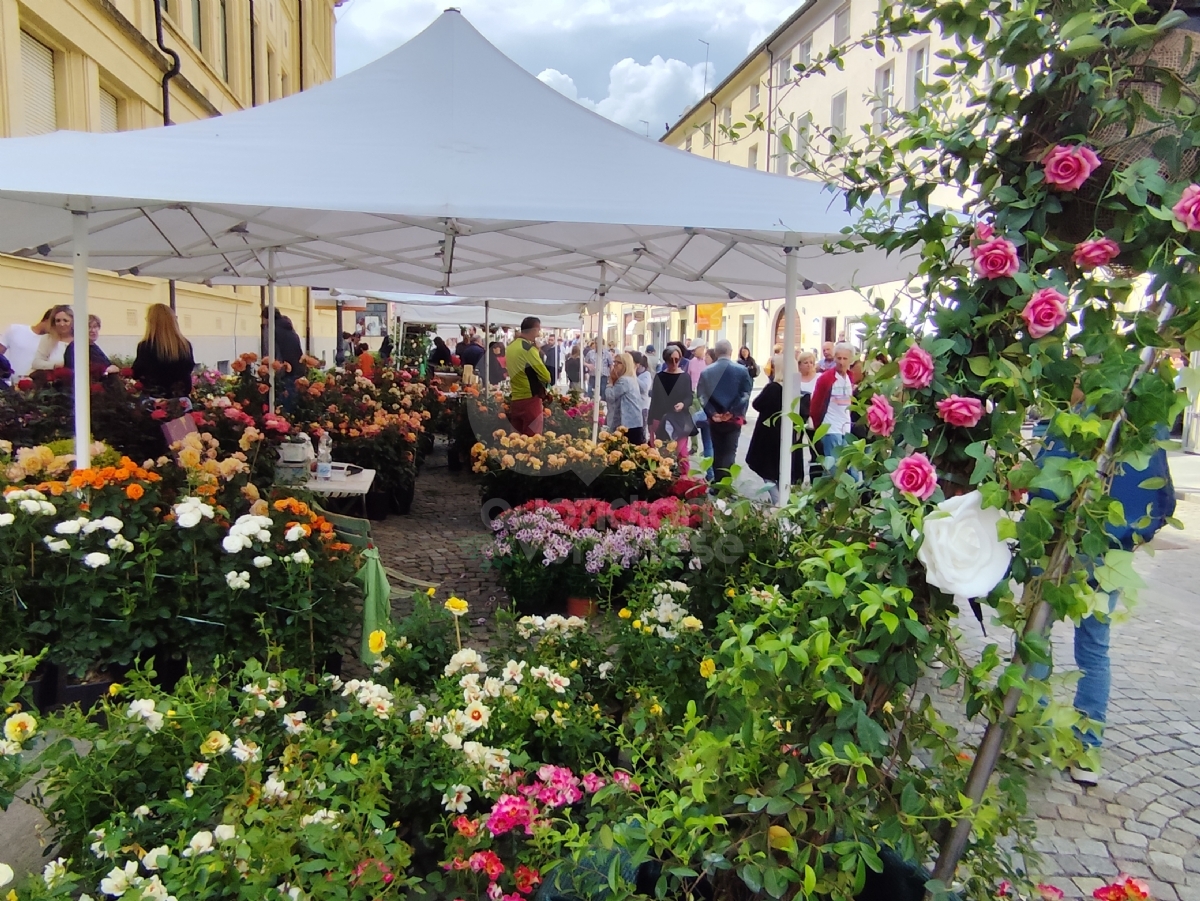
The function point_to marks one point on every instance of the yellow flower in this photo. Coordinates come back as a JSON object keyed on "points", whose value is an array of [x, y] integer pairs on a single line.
{"points": [[457, 606], [887, 707], [19, 727], [624, 613], [656, 709], [691, 624], [574, 664], [11, 896], [114, 689], [707, 667], [377, 641], [431, 591], [649, 630], [353, 760], [637, 624], [730, 593]]}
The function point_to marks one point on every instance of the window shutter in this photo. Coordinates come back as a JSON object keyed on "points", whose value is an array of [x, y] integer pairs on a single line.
{"points": [[108, 111], [37, 65]]}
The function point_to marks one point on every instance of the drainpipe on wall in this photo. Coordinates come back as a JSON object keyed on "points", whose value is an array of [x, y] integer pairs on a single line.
{"points": [[300, 22], [714, 127], [253, 59], [166, 94], [770, 102]]}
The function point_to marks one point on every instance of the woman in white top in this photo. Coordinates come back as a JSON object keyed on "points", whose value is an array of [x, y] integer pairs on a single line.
{"points": [[54, 343], [805, 386], [808, 372]]}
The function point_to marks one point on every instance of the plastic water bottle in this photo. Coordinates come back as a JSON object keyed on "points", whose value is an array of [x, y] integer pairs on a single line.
{"points": [[325, 459]]}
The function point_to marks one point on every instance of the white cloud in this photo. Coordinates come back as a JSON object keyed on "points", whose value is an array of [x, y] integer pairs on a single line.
{"points": [[641, 97]]}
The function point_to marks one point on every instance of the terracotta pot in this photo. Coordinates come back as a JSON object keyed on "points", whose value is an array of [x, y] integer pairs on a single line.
{"points": [[581, 607]]}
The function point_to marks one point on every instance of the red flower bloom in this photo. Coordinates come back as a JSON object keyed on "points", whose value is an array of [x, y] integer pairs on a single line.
{"points": [[526, 878]]}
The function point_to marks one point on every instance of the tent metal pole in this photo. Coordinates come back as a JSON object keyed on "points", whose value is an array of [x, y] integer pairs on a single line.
{"points": [[599, 350], [398, 349], [487, 341], [789, 382], [83, 388], [271, 323]]}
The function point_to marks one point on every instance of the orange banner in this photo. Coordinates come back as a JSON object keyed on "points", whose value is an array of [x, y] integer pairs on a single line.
{"points": [[709, 316]]}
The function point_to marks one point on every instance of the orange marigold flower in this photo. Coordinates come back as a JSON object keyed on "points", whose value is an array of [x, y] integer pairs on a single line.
{"points": [[134, 491], [281, 505]]}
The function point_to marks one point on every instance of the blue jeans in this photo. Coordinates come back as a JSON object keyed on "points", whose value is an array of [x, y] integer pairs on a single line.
{"points": [[831, 446], [1091, 656]]}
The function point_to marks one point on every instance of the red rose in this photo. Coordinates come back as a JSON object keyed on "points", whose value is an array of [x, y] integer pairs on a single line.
{"points": [[881, 418], [996, 258], [1096, 252], [1045, 311], [960, 411], [916, 367], [24, 384], [915, 476], [1067, 168]]}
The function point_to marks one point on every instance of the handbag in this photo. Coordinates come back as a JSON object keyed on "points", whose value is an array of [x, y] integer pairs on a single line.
{"points": [[175, 430]]}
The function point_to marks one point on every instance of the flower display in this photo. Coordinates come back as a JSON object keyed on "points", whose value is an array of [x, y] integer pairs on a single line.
{"points": [[1045, 311], [996, 258], [964, 412], [1068, 167], [1123, 888], [915, 477], [961, 550]]}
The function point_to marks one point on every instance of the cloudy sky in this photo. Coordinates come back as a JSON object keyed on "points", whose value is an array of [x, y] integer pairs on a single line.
{"points": [[630, 60]]}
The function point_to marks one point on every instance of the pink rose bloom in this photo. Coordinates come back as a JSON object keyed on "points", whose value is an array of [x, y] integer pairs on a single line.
{"points": [[881, 418], [1067, 168], [1046, 311], [984, 231], [916, 368], [1187, 210], [915, 476], [960, 411], [996, 258], [1095, 252]]}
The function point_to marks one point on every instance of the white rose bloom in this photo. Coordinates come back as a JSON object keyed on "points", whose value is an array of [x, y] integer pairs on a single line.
{"points": [[141, 812], [7, 519], [237, 580], [143, 708], [54, 873], [417, 714], [274, 789], [153, 890], [201, 843], [301, 557], [456, 799], [33, 508], [295, 533], [188, 519], [604, 669], [196, 772], [262, 562], [70, 527], [113, 524], [961, 552], [245, 751], [120, 543], [57, 545], [95, 560], [452, 740], [225, 833], [119, 881], [156, 858], [294, 722], [234, 543]]}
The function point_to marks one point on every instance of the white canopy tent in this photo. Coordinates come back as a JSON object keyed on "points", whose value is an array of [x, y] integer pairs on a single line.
{"points": [[466, 173]]}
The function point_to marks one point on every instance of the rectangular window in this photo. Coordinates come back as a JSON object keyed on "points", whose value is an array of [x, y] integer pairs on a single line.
{"points": [[165, 5], [707, 134], [885, 94], [41, 101], [752, 157], [783, 74], [108, 111], [783, 158], [223, 12], [841, 25], [806, 50], [727, 117], [837, 113], [198, 25], [918, 73], [687, 144], [747, 333], [754, 96]]}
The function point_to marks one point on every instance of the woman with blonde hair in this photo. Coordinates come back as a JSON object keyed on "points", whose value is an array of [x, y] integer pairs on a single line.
{"points": [[164, 360], [52, 347], [624, 396]]}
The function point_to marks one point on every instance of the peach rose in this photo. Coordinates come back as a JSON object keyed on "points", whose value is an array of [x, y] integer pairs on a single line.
{"points": [[1045, 311], [1095, 252], [1067, 168], [916, 367], [1187, 210], [915, 476], [996, 258], [960, 411]]}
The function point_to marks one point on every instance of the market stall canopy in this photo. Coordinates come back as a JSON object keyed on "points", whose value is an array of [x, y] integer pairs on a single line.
{"points": [[463, 311], [443, 167]]}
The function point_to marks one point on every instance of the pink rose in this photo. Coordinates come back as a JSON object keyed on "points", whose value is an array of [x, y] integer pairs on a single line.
{"points": [[996, 258], [916, 368], [960, 411], [915, 476], [984, 231], [1067, 168], [1046, 311], [1187, 210], [1095, 252], [881, 418]]}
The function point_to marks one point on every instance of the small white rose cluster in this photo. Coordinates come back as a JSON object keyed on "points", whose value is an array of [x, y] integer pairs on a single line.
{"points": [[30, 501], [528, 626], [245, 531], [371, 695], [189, 511]]}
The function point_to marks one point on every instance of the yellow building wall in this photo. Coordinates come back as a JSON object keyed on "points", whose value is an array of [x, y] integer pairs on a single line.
{"points": [[110, 45]]}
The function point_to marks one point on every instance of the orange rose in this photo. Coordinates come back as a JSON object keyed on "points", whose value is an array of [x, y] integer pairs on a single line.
{"points": [[134, 491]]}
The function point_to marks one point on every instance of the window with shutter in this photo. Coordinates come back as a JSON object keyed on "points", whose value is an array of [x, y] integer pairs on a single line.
{"points": [[198, 25], [223, 10], [108, 111], [41, 104]]}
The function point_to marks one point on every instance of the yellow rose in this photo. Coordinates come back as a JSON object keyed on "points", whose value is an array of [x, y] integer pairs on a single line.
{"points": [[707, 667], [215, 744], [656, 709], [637, 624], [19, 727], [691, 624], [353, 760], [624, 613], [114, 689], [457, 606], [431, 591], [377, 641], [887, 707]]}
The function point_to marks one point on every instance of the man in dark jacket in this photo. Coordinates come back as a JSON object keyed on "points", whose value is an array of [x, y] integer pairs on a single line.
{"points": [[289, 350], [471, 352], [724, 390]]}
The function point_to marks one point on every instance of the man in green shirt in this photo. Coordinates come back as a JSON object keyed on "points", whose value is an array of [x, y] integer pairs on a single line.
{"points": [[529, 377]]}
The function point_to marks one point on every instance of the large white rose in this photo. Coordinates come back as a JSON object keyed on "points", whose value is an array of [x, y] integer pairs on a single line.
{"points": [[962, 553]]}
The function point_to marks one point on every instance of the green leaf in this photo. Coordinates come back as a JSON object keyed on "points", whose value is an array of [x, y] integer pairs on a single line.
{"points": [[980, 366], [752, 876], [836, 583]]}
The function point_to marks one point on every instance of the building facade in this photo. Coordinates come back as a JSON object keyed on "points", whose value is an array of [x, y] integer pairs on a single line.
{"points": [[765, 90], [99, 65]]}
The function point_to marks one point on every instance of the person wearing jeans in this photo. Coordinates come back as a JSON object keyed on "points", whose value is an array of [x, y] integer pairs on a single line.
{"points": [[831, 401], [724, 390]]}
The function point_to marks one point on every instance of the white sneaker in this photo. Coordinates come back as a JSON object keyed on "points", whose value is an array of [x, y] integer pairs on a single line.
{"points": [[1081, 776]]}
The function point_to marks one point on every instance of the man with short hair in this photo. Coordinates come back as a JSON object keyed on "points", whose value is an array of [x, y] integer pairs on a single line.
{"points": [[826, 362], [529, 378], [831, 400], [472, 352], [724, 390], [19, 343], [552, 357]]}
